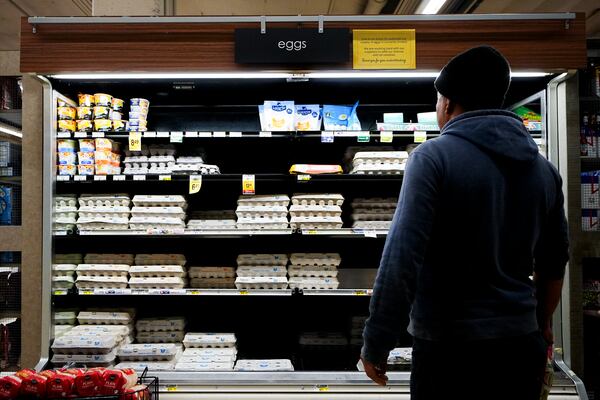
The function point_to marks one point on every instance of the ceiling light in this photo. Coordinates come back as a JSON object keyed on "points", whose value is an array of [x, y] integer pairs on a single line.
{"points": [[12, 132], [430, 6]]}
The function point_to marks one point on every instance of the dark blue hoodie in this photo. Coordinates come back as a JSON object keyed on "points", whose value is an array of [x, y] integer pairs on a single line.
{"points": [[480, 209]]}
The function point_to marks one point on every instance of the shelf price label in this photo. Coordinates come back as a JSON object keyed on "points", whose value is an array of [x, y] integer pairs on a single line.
{"points": [[248, 184], [59, 292], [162, 134], [176, 137], [360, 292], [386, 136], [99, 177], [363, 137], [150, 134], [139, 177], [235, 134], [303, 178], [264, 134], [244, 292], [164, 177], [322, 388], [191, 134], [327, 137], [171, 388], [62, 135], [219, 134], [420, 137], [195, 183], [135, 141], [80, 178], [118, 178], [62, 178], [80, 135], [97, 134]]}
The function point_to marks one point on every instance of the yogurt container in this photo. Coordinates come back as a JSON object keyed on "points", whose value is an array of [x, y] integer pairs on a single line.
{"points": [[67, 170], [117, 104], [103, 99], [85, 125], [66, 126], [137, 116], [87, 145], [102, 125], [85, 169], [66, 113], [85, 113], [85, 158], [66, 158], [86, 100], [116, 116], [120, 125], [101, 112], [138, 125], [66, 145], [139, 102]]}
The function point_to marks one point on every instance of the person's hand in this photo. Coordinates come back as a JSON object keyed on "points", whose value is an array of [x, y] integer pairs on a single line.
{"points": [[547, 333], [375, 372]]}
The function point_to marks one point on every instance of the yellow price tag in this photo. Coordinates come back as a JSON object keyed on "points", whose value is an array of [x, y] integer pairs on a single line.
{"points": [[135, 141], [311, 232], [164, 177], [386, 136], [248, 186], [87, 292], [195, 183], [360, 293], [322, 388], [420, 136], [60, 292], [194, 292], [303, 178], [171, 388], [244, 292]]}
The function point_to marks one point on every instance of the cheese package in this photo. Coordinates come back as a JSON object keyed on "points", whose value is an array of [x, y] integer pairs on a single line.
{"points": [[308, 117], [279, 115]]}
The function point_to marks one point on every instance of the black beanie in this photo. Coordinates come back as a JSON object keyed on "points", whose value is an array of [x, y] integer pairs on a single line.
{"points": [[476, 79]]}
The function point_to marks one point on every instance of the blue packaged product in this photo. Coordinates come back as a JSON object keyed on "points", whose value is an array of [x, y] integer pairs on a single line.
{"points": [[341, 118], [6, 205]]}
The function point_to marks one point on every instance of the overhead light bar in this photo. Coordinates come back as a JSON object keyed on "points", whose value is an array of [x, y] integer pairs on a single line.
{"points": [[430, 6], [11, 132]]}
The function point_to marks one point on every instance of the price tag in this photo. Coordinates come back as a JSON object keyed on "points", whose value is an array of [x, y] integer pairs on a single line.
{"points": [[194, 292], [327, 137], [176, 137], [371, 234], [171, 388], [219, 134], [244, 292], [322, 388], [191, 134], [62, 135], [99, 177], [115, 292], [80, 178], [139, 177], [86, 292], [264, 134], [303, 178], [360, 292], [150, 134], [62, 178], [97, 134], [310, 232], [135, 141], [386, 136], [59, 292], [118, 177], [363, 137], [248, 186], [195, 183], [162, 134], [235, 134], [204, 134], [420, 136], [80, 134], [164, 177]]}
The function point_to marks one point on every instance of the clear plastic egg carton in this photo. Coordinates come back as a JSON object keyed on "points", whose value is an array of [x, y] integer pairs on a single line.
{"points": [[230, 352], [256, 224], [196, 367], [62, 282], [388, 216], [162, 150], [264, 200], [200, 224], [140, 366], [367, 157], [157, 283], [315, 259], [313, 283], [159, 201], [374, 225], [316, 223], [65, 318], [107, 200], [104, 212], [259, 212], [259, 271], [61, 330], [65, 201], [136, 159], [274, 365], [161, 161], [84, 358], [157, 212], [87, 270], [323, 339], [378, 170], [104, 318], [160, 337], [160, 259], [69, 258], [190, 160], [148, 352], [262, 259], [160, 324], [101, 282], [320, 199], [63, 269], [254, 282], [84, 344], [210, 340], [212, 283], [315, 211], [141, 223], [155, 271], [211, 272], [101, 258], [325, 271]]}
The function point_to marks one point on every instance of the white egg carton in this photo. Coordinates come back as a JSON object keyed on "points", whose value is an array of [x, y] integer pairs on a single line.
{"points": [[160, 337], [101, 282], [264, 200], [175, 212], [160, 259], [207, 359], [378, 170], [175, 271], [65, 201], [90, 200], [194, 340], [316, 223], [144, 223], [160, 324], [157, 283], [161, 160], [140, 366], [159, 201], [274, 365], [120, 331], [65, 318], [104, 318], [321, 199], [148, 351], [373, 210], [325, 271], [313, 283], [380, 156], [373, 216], [136, 171], [61, 330], [63, 269], [59, 227], [71, 258], [323, 339], [210, 366], [63, 220], [211, 272], [136, 164], [255, 224], [157, 170], [84, 358], [64, 212], [102, 258], [212, 283], [188, 169], [375, 202], [263, 282], [162, 150], [257, 270], [101, 221], [198, 224], [230, 352], [315, 211], [104, 212], [400, 355], [62, 282], [87, 270], [262, 259], [135, 159], [259, 211], [315, 259], [190, 160], [372, 225], [84, 344]]}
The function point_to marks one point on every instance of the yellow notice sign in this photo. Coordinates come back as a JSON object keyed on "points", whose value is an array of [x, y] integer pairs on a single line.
{"points": [[384, 49]]}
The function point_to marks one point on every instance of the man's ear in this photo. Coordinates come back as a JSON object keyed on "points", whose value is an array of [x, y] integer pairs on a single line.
{"points": [[450, 107]]}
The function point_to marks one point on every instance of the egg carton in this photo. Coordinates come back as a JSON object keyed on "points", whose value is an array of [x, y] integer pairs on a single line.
{"points": [[65, 201], [64, 220], [140, 366], [315, 211], [65, 318], [208, 359], [378, 165], [120, 331], [260, 212], [84, 344], [142, 223], [198, 224], [210, 215], [378, 170], [90, 200], [135, 159], [315, 259], [113, 270], [273, 365], [262, 225], [264, 200], [193, 339], [246, 271], [161, 161], [152, 212], [323, 339], [212, 283], [211, 272], [158, 170], [103, 212], [174, 271], [400, 355], [148, 352], [157, 283], [262, 259], [316, 223], [136, 164], [390, 156], [211, 366], [159, 201], [59, 227], [373, 225], [373, 217], [375, 202], [61, 330], [101, 226], [320, 199], [188, 169], [63, 269], [100, 258], [101, 282], [160, 259], [327, 271], [230, 352], [62, 282], [263, 282], [313, 283], [71, 258], [162, 150], [160, 337], [104, 318], [160, 324], [190, 160], [377, 211], [136, 171], [65, 211], [84, 358]]}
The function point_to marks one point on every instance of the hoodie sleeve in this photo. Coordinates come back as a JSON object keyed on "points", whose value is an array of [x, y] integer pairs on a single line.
{"points": [[402, 257]]}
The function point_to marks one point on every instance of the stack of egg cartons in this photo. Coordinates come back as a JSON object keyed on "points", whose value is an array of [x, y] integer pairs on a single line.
{"points": [[63, 270], [158, 271], [104, 271], [262, 271], [373, 213], [268, 365], [379, 162], [212, 220], [64, 215], [161, 160], [158, 212], [161, 355], [136, 162], [400, 359], [63, 322], [193, 165], [316, 211], [314, 270], [208, 352], [66, 156], [94, 342], [138, 114], [103, 212], [262, 212], [209, 277]]}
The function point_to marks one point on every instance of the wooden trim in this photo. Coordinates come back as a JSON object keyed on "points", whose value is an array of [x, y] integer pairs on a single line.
{"points": [[10, 238], [548, 45]]}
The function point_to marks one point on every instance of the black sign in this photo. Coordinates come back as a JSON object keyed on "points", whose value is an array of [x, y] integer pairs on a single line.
{"points": [[297, 46]]}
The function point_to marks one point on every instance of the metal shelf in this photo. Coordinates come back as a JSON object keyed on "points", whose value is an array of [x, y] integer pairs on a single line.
{"points": [[213, 292]]}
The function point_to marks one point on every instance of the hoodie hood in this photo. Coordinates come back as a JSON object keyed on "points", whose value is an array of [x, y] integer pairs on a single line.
{"points": [[497, 132]]}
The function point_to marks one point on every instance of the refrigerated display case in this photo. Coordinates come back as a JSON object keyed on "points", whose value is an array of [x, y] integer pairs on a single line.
{"points": [[312, 320]]}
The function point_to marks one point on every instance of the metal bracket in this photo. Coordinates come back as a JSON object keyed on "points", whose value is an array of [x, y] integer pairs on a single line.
{"points": [[567, 25], [263, 24], [320, 24], [33, 28]]}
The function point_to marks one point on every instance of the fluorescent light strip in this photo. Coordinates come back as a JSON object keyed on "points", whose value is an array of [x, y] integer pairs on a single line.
{"points": [[11, 132], [430, 6], [273, 75]]}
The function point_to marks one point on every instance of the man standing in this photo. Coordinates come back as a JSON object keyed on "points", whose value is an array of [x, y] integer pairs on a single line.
{"points": [[480, 211]]}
